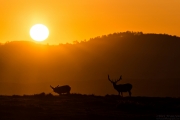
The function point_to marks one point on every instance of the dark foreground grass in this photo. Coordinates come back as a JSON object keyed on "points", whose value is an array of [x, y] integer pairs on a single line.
{"points": [[84, 107]]}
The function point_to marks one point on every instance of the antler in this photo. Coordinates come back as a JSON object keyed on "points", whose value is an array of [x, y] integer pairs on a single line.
{"points": [[115, 80], [109, 79], [51, 87], [119, 79]]}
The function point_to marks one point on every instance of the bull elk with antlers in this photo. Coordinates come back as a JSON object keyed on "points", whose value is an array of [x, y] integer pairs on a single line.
{"points": [[61, 89], [121, 87]]}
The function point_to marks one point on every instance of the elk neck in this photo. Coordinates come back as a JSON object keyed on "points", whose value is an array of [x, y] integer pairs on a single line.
{"points": [[114, 85]]}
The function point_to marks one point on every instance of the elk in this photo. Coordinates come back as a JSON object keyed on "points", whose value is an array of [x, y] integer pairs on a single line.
{"points": [[61, 89], [121, 87]]}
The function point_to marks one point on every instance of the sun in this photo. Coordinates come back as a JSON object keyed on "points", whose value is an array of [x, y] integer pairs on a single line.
{"points": [[39, 32]]}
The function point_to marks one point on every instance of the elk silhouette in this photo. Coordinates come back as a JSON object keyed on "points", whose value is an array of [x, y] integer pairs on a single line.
{"points": [[121, 87], [61, 89]]}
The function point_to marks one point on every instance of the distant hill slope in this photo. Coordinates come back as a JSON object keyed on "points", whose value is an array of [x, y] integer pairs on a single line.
{"points": [[148, 61]]}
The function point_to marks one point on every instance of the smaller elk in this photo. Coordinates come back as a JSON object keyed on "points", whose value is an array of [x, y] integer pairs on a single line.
{"points": [[121, 87], [61, 89]]}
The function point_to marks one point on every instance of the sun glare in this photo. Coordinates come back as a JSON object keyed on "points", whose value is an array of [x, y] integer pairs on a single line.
{"points": [[39, 32]]}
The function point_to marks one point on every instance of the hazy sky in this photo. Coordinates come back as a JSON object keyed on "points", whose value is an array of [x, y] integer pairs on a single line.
{"points": [[70, 20]]}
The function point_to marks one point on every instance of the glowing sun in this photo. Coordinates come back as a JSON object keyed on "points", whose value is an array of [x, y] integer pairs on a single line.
{"points": [[39, 32]]}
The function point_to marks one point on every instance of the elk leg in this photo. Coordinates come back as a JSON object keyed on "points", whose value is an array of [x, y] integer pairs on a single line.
{"points": [[129, 93]]}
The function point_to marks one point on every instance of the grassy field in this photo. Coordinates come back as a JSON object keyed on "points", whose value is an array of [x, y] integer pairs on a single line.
{"points": [[87, 107]]}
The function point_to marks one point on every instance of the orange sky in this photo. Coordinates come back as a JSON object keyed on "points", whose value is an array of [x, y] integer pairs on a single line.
{"points": [[82, 19]]}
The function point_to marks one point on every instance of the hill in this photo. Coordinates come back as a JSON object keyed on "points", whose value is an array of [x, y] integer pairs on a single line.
{"points": [[148, 61]]}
